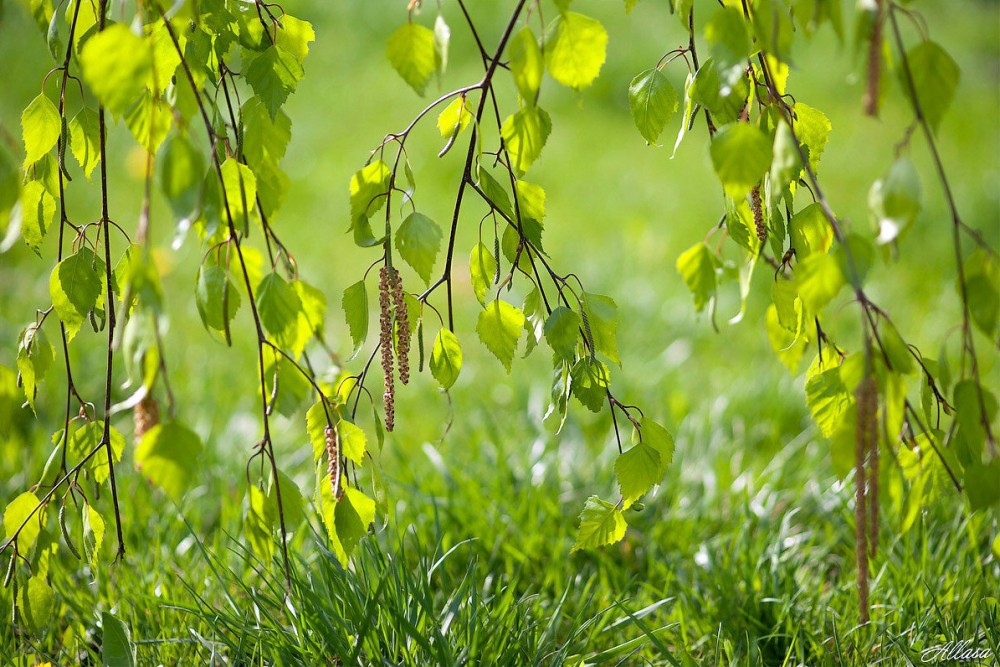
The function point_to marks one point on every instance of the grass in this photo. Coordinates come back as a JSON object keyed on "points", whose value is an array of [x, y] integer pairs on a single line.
{"points": [[743, 556]]}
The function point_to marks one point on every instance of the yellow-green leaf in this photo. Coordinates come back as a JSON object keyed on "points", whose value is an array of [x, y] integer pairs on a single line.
{"points": [[575, 50]]}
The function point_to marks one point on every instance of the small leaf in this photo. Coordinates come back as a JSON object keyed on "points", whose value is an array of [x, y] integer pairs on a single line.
{"points": [[982, 289], [75, 286], [40, 128], [482, 268], [353, 442], [454, 118], [590, 379], [653, 101], [636, 470], [291, 501], [294, 36], [894, 200], [697, 267], [368, 194], [576, 50], [602, 318], [526, 64], [217, 298], [828, 398], [94, 528], [167, 456], [117, 649], [37, 604], [446, 358], [601, 523], [810, 231], [741, 155], [499, 328], [418, 241], [812, 127], [274, 75], [15, 514], [355, 305], [413, 54], [531, 201], [354, 514], [524, 135], [265, 139], [116, 65], [240, 188], [562, 331], [280, 307], [182, 173], [38, 208], [935, 77]]}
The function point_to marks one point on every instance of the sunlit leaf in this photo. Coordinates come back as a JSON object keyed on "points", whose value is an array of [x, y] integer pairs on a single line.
{"points": [[653, 102], [575, 50], [499, 328], [168, 455], [446, 358], [40, 128], [413, 53], [601, 523], [524, 135], [418, 241], [741, 155], [116, 65]]}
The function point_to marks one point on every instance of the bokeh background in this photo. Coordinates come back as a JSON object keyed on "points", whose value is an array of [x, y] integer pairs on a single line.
{"points": [[619, 213]]}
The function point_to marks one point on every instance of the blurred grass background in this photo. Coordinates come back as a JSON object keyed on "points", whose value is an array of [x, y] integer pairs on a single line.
{"points": [[619, 213]]}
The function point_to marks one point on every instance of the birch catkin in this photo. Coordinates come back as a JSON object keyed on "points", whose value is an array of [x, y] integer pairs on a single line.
{"points": [[402, 326], [333, 454], [385, 345]]}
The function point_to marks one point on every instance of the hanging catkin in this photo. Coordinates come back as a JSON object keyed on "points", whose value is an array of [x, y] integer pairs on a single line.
{"points": [[402, 326], [333, 454], [385, 345]]}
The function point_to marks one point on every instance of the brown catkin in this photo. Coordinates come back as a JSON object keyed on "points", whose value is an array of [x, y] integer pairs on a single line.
{"points": [[333, 454], [874, 62], [385, 344], [402, 327], [866, 398], [758, 213], [145, 416]]}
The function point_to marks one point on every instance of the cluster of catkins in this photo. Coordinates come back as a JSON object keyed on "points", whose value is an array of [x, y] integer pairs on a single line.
{"points": [[392, 307]]}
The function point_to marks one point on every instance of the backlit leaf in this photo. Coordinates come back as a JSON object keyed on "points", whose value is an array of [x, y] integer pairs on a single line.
{"points": [[602, 320], [216, 296], [575, 50], [280, 307], [168, 456], [116, 65], [482, 268], [446, 358], [812, 128], [355, 304], [353, 441], [412, 53], [590, 379], [38, 208], [454, 118], [828, 398], [653, 101], [935, 77], [35, 355], [499, 328], [40, 128], [562, 331], [418, 241], [819, 279], [273, 75], [526, 64], [36, 604], [15, 514], [697, 267], [741, 155], [524, 135], [182, 172], [601, 523], [75, 286]]}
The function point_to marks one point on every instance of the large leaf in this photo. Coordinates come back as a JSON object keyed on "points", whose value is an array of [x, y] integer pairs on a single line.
{"points": [[590, 379], [15, 514], [117, 649], [601, 523], [274, 75], [413, 53], [116, 65], [697, 267], [168, 455], [562, 331], [216, 297], [575, 50], [728, 42], [526, 64], [418, 241], [280, 311], [36, 605], [446, 358], [653, 101], [499, 328], [828, 398]]}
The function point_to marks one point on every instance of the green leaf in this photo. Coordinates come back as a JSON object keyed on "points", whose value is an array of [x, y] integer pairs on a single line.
{"points": [[741, 155], [812, 128], [894, 200], [828, 398], [660, 439], [265, 138], [653, 101], [728, 43], [353, 442], [499, 328], [36, 604], [531, 202], [258, 525], [495, 192], [482, 268], [217, 298], [355, 304], [40, 128], [35, 355], [294, 36], [167, 456], [788, 345], [724, 99], [116, 65], [117, 649], [354, 514], [601, 523], [896, 349], [273, 75], [94, 528], [590, 379], [787, 163], [313, 310], [562, 331], [241, 189], [38, 208], [982, 289], [810, 231], [182, 172], [524, 134], [575, 50], [970, 399], [446, 358], [818, 279], [83, 440], [418, 241], [935, 77], [454, 118], [368, 194], [413, 54], [14, 515], [526, 64], [636, 470], [316, 423], [75, 286], [279, 307], [697, 267], [149, 120], [292, 505], [602, 318], [982, 485]]}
